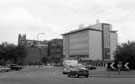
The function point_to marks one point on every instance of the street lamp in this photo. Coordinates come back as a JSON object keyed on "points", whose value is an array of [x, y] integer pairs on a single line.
{"points": [[38, 35], [37, 41]]}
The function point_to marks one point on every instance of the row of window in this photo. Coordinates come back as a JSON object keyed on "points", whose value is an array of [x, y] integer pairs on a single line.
{"points": [[78, 56]]}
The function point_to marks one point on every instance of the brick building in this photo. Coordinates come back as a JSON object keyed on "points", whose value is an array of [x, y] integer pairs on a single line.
{"points": [[34, 55], [35, 50]]}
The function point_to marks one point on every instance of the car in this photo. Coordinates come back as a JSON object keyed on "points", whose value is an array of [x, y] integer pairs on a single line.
{"points": [[66, 70], [15, 67], [4, 69], [77, 72]]}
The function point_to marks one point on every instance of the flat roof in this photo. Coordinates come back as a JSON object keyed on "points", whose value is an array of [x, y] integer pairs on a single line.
{"points": [[85, 29]]}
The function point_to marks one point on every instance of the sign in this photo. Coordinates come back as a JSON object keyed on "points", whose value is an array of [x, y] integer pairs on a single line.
{"points": [[119, 66], [126, 65], [112, 65]]}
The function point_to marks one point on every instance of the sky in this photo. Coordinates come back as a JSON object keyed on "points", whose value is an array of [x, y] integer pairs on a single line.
{"points": [[55, 17]]}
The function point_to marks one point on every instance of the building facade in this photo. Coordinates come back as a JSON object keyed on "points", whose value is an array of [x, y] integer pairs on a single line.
{"points": [[34, 55], [95, 42], [23, 41], [55, 48], [35, 50]]}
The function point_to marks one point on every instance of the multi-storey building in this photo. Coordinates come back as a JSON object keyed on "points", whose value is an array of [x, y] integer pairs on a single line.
{"points": [[35, 50], [95, 42], [55, 47]]}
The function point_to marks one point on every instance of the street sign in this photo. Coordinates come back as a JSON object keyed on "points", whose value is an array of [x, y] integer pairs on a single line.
{"points": [[119, 65], [126, 65], [112, 65]]}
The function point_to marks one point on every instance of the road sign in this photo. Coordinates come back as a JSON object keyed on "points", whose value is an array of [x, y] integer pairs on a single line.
{"points": [[119, 65], [112, 65], [126, 65]]}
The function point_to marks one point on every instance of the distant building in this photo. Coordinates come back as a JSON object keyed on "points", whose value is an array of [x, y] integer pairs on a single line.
{"points": [[23, 41], [35, 50], [95, 42], [55, 47], [34, 55]]}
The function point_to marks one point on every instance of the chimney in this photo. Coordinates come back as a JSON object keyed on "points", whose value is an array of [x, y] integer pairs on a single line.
{"points": [[81, 26], [97, 21]]}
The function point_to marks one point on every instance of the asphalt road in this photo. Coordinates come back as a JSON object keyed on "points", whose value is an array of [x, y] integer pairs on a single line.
{"points": [[55, 76]]}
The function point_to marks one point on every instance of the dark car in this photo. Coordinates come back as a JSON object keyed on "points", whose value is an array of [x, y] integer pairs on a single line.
{"points": [[15, 67], [66, 70], [77, 72]]}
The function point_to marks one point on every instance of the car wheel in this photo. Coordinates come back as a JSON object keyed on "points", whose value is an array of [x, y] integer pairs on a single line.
{"points": [[19, 69], [87, 76], [68, 75], [64, 73], [77, 75]]}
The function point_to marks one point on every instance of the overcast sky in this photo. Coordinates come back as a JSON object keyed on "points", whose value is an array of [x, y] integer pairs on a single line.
{"points": [[54, 17]]}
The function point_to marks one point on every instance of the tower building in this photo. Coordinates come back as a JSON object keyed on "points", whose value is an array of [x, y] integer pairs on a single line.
{"points": [[95, 42]]}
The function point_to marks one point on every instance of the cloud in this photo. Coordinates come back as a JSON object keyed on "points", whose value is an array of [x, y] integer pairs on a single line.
{"points": [[83, 4], [55, 17], [125, 31], [18, 20], [127, 4]]}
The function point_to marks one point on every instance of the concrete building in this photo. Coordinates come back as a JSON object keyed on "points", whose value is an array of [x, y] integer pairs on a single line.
{"points": [[95, 42], [55, 48]]}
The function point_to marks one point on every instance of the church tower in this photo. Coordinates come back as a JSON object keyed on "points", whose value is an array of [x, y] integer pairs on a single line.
{"points": [[21, 39]]}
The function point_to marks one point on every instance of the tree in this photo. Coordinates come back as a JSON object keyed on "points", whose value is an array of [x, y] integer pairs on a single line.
{"points": [[12, 52], [125, 52], [6, 51], [21, 53]]}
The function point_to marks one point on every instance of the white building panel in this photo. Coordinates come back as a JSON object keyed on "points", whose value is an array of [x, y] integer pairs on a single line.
{"points": [[113, 44], [66, 45], [95, 45]]}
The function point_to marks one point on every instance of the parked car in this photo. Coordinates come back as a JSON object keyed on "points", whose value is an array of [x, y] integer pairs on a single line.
{"points": [[66, 70], [15, 67], [77, 72], [4, 69]]}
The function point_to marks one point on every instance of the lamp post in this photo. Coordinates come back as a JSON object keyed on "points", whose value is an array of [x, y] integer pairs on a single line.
{"points": [[38, 35], [37, 41]]}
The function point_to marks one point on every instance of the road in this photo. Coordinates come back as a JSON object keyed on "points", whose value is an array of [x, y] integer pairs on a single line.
{"points": [[54, 76]]}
